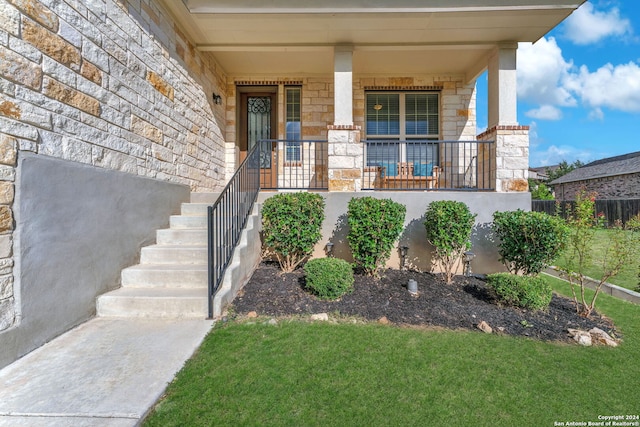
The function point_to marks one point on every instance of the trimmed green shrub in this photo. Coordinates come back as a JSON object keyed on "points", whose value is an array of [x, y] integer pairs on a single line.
{"points": [[291, 224], [531, 292], [539, 191], [329, 278], [449, 225], [529, 241], [374, 225]]}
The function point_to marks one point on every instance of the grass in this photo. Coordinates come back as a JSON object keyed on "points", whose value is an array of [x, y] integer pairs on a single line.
{"points": [[627, 278], [317, 374]]}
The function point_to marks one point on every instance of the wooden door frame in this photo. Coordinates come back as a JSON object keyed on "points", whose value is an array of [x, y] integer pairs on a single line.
{"points": [[268, 177], [243, 93]]}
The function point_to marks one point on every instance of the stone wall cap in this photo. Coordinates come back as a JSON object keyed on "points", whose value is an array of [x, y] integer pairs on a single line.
{"points": [[344, 127], [502, 127]]}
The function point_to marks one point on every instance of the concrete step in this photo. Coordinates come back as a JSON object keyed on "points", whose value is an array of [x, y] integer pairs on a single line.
{"points": [[181, 222], [173, 254], [189, 237], [190, 209], [208, 198], [159, 276], [153, 303]]}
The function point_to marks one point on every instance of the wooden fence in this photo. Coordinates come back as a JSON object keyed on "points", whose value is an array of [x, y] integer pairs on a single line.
{"points": [[613, 209]]}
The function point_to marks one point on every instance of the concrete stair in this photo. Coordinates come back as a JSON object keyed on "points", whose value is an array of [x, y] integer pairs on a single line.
{"points": [[171, 280]]}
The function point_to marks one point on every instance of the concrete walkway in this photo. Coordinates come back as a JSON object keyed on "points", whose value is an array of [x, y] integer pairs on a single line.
{"points": [[105, 372]]}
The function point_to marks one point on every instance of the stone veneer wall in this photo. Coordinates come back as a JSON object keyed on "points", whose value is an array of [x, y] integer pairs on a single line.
{"points": [[107, 83], [610, 187], [316, 109], [509, 168], [458, 114], [457, 101]]}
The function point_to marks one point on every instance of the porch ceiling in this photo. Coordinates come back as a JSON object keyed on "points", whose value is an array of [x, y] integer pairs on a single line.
{"points": [[398, 37]]}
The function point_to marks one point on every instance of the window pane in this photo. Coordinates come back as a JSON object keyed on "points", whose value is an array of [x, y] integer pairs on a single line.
{"points": [[293, 113], [421, 112], [424, 156], [385, 154], [293, 131], [383, 114], [293, 153]]}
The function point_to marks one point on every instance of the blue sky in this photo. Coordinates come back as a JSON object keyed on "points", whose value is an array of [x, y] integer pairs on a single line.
{"points": [[579, 86]]}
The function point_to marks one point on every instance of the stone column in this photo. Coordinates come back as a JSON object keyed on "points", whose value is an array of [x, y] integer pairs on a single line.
{"points": [[508, 160], [345, 149], [346, 156]]}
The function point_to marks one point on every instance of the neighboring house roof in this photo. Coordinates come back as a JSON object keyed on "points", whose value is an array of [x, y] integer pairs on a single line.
{"points": [[612, 166], [542, 172]]}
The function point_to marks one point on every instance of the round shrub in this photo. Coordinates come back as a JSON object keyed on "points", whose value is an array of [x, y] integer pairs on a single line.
{"points": [[374, 226], [532, 292], [529, 241], [329, 278], [291, 226]]}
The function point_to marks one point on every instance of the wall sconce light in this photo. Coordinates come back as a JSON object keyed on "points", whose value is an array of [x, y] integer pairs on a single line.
{"points": [[217, 99], [329, 248], [403, 256], [468, 257]]}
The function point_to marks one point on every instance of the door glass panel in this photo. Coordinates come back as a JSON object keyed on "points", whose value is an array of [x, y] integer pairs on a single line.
{"points": [[259, 126]]}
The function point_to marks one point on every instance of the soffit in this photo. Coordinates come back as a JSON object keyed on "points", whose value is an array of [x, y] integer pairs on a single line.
{"points": [[388, 37]]}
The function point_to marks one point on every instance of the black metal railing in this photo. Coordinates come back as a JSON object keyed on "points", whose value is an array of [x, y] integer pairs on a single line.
{"points": [[428, 165], [227, 217], [293, 165]]}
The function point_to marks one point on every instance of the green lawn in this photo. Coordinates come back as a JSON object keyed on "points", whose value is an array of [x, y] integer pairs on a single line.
{"points": [[321, 374], [628, 277]]}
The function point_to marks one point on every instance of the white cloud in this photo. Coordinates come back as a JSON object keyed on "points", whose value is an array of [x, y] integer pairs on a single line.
{"points": [[555, 154], [588, 25], [616, 87], [547, 79], [542, 71], [596, 114], [545, 112], [533, 134]]}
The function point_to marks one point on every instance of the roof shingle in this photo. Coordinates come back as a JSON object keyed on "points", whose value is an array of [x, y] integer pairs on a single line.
{"points": [[612, 166]]}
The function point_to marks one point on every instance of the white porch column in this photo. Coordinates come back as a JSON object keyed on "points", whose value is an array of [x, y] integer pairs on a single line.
{"points": [[343, 85], [345, 149], [502, 86], [509, 163]]}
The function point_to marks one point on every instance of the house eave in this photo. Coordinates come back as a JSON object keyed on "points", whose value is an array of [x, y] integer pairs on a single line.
{"points": [[372, 6], [388, 37]]}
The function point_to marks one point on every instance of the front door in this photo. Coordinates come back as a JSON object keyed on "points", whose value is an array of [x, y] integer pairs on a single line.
{"points": [[258, 122]]}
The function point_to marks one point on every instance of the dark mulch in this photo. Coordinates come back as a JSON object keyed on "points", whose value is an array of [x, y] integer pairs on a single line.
{"points": [[461, 305]]}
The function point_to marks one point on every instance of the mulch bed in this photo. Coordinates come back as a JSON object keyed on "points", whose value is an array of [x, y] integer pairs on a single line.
{"points": [[461, 305]]}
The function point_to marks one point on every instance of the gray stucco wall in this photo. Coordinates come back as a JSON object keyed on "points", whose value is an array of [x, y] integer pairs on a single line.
{"points": [[335, 226], [77, 227]]}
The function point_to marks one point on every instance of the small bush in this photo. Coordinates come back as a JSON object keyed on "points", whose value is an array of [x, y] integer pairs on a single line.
{"points": [[449, 225], [374, 225], [291, 224], [329, 278], [529, 241], [532, 292]]}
